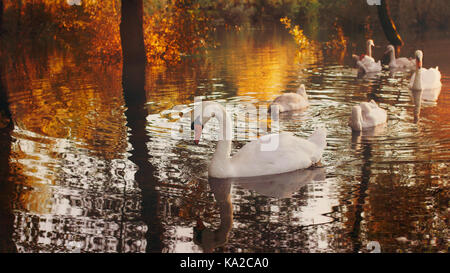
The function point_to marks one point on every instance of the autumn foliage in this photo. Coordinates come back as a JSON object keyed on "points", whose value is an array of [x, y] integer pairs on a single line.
{"points": [[177, 28], [181, 28]]}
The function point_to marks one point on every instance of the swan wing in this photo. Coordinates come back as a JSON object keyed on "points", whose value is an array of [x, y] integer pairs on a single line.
{"points": [[367, 59], [431, 78], [369, 67], [404, 63], [372, 114], [276, 153]]}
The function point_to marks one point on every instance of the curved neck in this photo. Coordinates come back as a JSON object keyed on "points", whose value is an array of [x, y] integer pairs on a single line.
{"points": [[417, 85], [369, 50], [223, 148], [392, 56]]}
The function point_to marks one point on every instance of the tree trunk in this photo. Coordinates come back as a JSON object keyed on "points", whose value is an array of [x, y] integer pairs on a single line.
{"points": [[1, 16], [389, 28], [133, 82], [131, 31]]}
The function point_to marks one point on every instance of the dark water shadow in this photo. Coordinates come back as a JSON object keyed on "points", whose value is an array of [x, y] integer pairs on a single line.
{"points": [[6, 187]]}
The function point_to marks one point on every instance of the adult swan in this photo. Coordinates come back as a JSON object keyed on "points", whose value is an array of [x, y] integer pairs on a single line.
{"points": [[426, 80], [270, 154]]}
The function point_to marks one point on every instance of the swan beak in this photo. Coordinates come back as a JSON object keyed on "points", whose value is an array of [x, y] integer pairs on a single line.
{"points": [[418, 63], [197, 133]]}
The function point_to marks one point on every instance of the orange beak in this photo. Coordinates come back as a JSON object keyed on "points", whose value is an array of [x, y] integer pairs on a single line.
{"points": [[419, 64]]}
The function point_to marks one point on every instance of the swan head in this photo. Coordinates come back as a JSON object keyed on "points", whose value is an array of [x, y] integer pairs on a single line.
{"points": [[370, 43], [389, 49], [419, 58], [203, 113], [356, 118]]}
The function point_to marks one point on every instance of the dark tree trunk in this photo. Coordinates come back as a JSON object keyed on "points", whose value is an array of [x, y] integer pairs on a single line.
{"points": [[389, 28], [133, 82], [6, 187], [5, 113], [1, 16], [7, 195], [131, 31]]}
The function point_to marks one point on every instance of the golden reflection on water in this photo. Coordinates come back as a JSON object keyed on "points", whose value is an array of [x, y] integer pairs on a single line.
{"points": [[75, 185]]}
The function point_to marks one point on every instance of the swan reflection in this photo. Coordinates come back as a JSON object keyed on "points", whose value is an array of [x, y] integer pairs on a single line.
{"points": [[277, 186], [359, 137], [417, 100]]}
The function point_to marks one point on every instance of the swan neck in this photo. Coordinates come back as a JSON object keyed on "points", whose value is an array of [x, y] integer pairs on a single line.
{"points": [[417, 85], [392, 56], [369, 50], [223, 148]]}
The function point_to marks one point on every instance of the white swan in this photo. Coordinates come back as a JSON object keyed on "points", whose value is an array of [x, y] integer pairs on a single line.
{"points": [[366, 63], [292, 101], [406, 63], [427, 80], [270, 154], [367, 115]]}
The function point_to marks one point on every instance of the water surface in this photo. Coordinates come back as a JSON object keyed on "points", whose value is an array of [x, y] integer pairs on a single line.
{"points": [[73, 183]]}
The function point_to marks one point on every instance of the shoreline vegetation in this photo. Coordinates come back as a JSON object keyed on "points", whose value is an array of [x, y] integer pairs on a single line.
{"points": [[177, 28]]}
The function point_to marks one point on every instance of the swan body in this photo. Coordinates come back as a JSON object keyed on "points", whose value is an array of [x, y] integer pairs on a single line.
{"points": [[426, 80], [292, 101], [404, 63], [366, 63], [367, 115], [270, 154]]}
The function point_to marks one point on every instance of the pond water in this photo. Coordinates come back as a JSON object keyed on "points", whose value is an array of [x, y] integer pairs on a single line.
{"points": [[89, 170]]}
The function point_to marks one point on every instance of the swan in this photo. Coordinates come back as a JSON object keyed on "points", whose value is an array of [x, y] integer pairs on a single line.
{"points": [[368, 56], [406, 63], [292, 101], [270, 154], [367, 115], [366, 63], [427, 80], [367, 66]]}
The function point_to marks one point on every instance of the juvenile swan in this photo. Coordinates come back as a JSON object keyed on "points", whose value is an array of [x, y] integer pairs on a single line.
{"points": [[270, 154]]}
